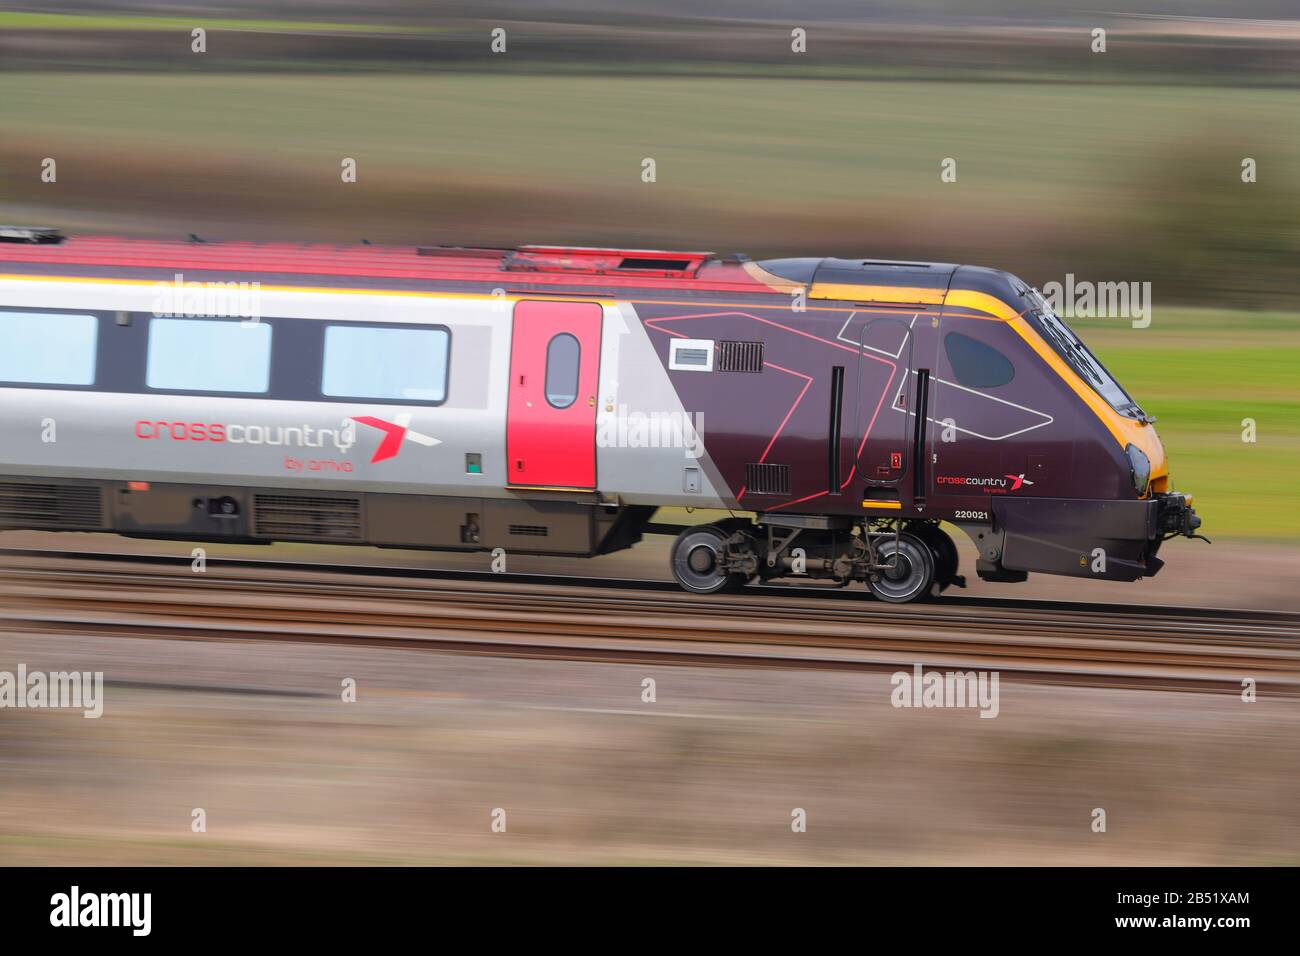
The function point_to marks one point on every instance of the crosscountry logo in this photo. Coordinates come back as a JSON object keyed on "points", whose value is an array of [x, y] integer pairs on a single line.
{"points": [[1018, 480], [394, 432]]}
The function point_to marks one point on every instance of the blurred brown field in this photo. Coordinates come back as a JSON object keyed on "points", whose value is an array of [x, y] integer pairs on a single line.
{"points": [[588, 773]]}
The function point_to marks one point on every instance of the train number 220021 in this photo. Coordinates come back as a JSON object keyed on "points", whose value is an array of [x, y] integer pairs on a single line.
{"points": [[973, 515]]}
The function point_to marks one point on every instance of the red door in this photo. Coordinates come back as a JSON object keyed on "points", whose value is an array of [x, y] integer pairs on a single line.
{"points": [[551, 414]]}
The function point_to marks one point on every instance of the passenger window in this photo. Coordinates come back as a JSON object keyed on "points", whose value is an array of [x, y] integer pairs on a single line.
{"points": [[209, 355], [48, 348], [563, 355], [975, 364], [406, 364]]}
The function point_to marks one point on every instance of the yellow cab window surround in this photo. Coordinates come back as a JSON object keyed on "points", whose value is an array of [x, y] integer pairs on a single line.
{"points": [[1126, 431]]}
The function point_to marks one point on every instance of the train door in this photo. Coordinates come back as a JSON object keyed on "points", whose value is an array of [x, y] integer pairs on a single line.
{"points": [[891, 448], [989, 416], [551, 410]]}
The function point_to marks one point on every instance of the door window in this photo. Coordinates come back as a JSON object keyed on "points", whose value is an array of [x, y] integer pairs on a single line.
{"points": [[563, 359]]}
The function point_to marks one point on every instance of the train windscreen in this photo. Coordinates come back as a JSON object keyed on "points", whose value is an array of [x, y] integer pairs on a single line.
{"points": [[1053, 330]]}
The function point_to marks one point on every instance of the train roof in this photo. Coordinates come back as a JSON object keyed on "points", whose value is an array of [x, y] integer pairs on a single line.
{"points": [[29, 251]]}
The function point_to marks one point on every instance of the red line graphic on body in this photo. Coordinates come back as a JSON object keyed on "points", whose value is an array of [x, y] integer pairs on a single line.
{"points": [[394, 432]]}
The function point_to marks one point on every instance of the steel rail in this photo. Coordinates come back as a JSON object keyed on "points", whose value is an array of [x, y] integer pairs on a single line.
{"points": [[546, 591], [529, 619]]}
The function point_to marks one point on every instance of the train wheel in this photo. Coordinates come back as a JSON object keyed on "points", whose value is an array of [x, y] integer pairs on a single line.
{"points": [[697, 561], [945, 553], [912, 574]]}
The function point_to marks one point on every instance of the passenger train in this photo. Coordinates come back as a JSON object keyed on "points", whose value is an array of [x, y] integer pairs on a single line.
{"points": [[549, 400]]}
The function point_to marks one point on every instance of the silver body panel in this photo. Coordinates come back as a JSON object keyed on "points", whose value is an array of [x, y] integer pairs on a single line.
{"points": [[97, 436]]}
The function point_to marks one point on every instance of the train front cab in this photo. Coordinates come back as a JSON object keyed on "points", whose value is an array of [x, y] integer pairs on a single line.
{"points": [[1050, 465]]}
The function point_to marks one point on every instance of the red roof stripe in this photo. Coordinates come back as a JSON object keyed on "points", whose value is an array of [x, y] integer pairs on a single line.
{"points": [[379, 262]]}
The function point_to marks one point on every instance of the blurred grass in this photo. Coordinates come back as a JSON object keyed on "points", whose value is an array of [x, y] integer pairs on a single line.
{"points": [[1201, 372]]}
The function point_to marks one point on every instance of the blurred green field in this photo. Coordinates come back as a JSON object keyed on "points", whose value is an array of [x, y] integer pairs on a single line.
{"points": [[1201, 372]]}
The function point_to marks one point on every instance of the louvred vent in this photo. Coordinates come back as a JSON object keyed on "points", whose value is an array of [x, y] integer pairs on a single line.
{"points": [[762, 478], [740, 356]]}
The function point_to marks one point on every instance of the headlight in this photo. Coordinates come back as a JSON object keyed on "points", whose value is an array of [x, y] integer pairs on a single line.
{"points": [[1139, 467]]}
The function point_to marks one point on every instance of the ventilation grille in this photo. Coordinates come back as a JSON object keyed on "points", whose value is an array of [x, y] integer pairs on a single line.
{"points": [[764, 479], [740, 356], [536, 530], [24, 505], [294, 516]]}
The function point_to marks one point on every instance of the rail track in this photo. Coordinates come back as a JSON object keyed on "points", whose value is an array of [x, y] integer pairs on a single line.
{"points": [[540, 616]]}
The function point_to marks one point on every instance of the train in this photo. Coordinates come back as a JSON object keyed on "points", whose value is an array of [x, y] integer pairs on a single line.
{"points": [[842, 413]]}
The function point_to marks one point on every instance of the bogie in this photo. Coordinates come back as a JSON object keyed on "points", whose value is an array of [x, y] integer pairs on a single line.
{"points": [[897, 565]]}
